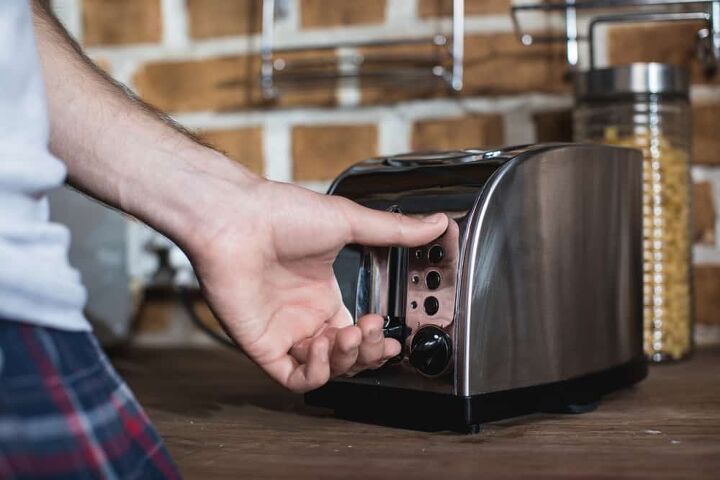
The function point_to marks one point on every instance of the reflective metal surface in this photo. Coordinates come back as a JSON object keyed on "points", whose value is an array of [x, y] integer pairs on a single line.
{"points": [[551, 278], [541, 278], [636, 78]]}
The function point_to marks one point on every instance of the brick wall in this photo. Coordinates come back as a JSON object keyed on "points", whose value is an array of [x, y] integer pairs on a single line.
{"points": [[198, 59]]}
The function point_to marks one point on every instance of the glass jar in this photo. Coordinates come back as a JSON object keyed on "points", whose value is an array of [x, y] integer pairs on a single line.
{"points": [[646, 106]]}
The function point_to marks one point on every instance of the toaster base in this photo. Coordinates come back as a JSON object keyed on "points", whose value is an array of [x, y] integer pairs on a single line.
{"points": [[430, 411]]}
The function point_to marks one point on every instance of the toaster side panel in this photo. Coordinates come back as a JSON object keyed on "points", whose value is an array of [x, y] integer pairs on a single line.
{"points": [[552, 277]]}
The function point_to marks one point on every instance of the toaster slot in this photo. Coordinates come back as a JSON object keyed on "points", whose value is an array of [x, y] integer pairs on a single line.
{"points": [[397, 295], [382, 289]]}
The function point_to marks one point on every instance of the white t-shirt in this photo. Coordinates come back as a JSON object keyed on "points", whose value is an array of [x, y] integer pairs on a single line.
{"points": [[37, 284]]}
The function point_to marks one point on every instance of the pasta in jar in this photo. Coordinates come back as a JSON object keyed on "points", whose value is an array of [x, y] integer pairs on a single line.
{"points": [[667, 301]]}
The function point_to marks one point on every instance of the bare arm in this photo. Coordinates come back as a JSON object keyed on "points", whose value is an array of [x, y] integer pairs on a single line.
{"points": [[263, 251], [106, 138]]}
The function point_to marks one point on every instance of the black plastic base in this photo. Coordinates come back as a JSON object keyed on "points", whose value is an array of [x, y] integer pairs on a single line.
{"points": [[431, 411]]}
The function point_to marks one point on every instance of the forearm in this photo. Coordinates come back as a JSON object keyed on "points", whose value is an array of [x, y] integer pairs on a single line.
{"points": [[120, 151]]}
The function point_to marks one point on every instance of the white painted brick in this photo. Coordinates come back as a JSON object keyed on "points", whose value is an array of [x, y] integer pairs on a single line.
{"points": [[398, 12], [287, 17], [319, 187], [519, 128], [175, 23], [277, 150], [394, 134], [69, 12]]}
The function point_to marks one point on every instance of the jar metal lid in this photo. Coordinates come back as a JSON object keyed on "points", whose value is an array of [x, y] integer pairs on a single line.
{"points": [[632, 79]]}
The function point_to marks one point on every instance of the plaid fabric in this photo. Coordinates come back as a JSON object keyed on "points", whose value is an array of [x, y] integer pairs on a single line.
{"points": [[65, 412]]}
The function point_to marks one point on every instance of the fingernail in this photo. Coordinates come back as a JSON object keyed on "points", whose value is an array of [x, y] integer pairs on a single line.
{"points": [[434, 218], [375, 335]]}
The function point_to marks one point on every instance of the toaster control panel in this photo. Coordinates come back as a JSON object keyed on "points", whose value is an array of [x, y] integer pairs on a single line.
{"points": [[425, 327]]}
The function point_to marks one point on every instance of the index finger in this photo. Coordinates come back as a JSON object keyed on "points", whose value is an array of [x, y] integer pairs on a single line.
{"points": [[383, 229]]}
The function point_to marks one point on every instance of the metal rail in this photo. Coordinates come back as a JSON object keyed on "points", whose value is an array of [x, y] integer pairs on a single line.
{"points": [[639, 17], [277, 70], [707, 10]]}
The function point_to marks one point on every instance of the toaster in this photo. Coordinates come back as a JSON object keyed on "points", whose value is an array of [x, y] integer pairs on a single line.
{"points": [[530, 301]]}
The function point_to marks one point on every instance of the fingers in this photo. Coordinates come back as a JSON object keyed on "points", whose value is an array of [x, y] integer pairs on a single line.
{"points": [[313, 373], [375, 349], [376, 228], [345, 350], [353, 348], [392, 349], [373, 345]]}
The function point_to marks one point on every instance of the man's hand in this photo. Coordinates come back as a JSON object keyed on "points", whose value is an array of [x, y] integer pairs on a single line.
{"points": [[266, 269]]}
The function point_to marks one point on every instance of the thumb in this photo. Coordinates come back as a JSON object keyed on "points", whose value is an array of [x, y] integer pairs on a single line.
{"points": [[377, 228]]}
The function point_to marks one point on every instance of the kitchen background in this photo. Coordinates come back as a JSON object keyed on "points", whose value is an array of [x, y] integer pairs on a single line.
{"points": [[198, 60]]}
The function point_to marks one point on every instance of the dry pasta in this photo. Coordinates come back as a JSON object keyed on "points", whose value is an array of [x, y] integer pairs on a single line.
{"points": [[667, 299]]}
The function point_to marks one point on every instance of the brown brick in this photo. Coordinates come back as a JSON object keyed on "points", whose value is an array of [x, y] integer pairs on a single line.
{"points": [[553, 126], [335, 13], [706, 140], [704, 222], [156, 315], [657, 42], [212, 84], [244, 145], [113, 22], [378, 60], [707, 294], [500, 64], [207, 318], [494, 64], [321, 152], [437, 8], [219, 18], [219, 84], [457, 133], [103, 64]]}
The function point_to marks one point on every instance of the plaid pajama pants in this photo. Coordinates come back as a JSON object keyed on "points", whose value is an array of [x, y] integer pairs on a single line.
{"points": [[65, 412]]}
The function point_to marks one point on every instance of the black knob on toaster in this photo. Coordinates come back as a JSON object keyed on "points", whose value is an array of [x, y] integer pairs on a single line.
{"points": [[431, 351]]}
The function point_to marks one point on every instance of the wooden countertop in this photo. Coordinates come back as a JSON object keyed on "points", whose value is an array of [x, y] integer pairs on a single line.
{"points": [[221, 418]]}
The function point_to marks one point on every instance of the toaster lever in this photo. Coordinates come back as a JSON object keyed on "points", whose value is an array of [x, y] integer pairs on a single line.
{"points": [[396, 293], [397, 286]]}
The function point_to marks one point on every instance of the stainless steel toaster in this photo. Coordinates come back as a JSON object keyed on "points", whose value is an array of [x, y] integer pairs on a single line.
{"points": [[530, 301]]}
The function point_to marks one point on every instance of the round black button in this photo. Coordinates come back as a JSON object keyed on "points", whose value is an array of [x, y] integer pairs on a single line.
{"points": [[432, 305], [432, 280], [436, 254], [431, 351]]}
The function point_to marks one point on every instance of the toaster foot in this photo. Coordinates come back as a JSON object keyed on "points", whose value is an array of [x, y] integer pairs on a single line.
{"points": [[474, 428]]}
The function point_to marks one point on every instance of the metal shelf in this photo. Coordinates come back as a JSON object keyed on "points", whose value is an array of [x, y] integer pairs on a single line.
{"points": [[708, 38], [278, 72]]}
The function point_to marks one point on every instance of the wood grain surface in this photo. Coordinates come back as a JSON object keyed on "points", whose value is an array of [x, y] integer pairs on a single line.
{"points": [[221, 418]]}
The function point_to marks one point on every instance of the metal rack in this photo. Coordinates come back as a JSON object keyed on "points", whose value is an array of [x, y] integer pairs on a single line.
{"points": [[707, 41], [277, 72]]}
